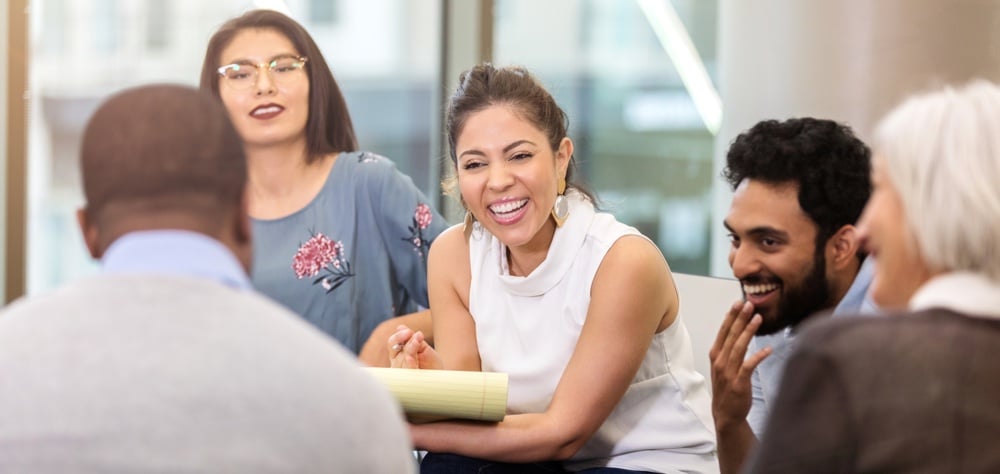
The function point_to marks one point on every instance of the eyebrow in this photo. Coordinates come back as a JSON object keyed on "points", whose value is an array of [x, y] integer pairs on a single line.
{"points": [[759, 231], [505, 149], [272, 58]]}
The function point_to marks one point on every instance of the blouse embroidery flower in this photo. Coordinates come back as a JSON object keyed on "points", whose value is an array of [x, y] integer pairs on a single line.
{"points": [[421, 220], [324, 257], [367, 157]]}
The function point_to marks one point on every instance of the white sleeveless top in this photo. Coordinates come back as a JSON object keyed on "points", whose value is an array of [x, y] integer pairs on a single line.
{"points": [[528, 327]]}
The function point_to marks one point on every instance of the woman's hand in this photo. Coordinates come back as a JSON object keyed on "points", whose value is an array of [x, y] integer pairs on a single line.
{"points": [[409, 350], [373, 353]]}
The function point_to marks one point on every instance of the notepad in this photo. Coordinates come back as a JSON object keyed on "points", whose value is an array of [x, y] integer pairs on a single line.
{"points": [[433, 395]]}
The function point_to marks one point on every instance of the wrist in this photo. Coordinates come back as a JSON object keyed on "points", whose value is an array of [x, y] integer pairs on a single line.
{"points": [[726, 425]]}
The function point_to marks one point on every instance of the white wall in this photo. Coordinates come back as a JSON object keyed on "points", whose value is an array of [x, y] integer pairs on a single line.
{"points": [[704, 302], [846, 60]]}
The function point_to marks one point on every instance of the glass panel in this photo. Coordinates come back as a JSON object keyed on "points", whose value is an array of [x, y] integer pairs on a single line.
{"points": [[53, 13], [383, 52], [642, 142], [158, 20], [322, 11], [104, 16]]}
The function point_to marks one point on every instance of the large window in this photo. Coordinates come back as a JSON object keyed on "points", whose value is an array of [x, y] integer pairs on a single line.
{"points": [[641, 103], [635, 78], [385, 53], [638, 78]]}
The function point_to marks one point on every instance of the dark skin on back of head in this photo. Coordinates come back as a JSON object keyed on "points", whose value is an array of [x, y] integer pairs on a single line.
{"points": [[163, 157]]}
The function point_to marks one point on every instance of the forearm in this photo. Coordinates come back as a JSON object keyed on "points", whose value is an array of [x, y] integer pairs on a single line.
{"points": [[420, 321], [518, 439], [734, 445], [375, 353]]}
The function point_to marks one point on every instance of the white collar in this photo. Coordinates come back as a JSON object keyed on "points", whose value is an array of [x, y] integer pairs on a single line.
{"points": [[562, 254], [967, 293]]}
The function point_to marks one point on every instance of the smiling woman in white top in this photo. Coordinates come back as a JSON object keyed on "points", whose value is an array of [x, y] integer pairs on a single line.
{"points": [[577, 308]]}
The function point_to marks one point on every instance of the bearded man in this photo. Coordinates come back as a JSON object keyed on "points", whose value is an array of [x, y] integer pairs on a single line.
{"points": [[799, 186]]}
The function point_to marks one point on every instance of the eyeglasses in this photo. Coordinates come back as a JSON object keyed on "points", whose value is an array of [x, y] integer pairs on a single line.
{"points": [[283, 70]]}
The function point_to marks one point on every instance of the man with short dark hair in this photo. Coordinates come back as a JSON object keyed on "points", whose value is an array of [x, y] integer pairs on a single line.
{"points": [[168, 361], [799, 187]]}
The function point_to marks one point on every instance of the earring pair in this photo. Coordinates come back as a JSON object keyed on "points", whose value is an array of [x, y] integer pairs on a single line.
{"points": [[560, 212]]}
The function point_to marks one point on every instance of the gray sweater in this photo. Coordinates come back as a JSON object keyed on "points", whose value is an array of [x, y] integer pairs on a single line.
{"points": [[176, 374], [914, 392]]}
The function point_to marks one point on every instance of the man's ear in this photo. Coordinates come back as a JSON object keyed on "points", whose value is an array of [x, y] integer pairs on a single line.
{"points": [[89, 232], [843, 247]]}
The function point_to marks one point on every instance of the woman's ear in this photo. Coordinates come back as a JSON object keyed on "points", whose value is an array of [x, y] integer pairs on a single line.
{"points": [[564, 154]]}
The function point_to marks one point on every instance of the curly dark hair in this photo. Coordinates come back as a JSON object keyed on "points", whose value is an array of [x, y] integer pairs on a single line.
{"points": [[831, 166]]}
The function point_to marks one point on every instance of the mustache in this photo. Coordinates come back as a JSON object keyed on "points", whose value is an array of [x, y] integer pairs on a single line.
{"points": [[760, 279]]}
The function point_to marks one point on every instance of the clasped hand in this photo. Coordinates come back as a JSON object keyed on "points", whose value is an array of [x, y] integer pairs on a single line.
{"points": [[409, 350]]}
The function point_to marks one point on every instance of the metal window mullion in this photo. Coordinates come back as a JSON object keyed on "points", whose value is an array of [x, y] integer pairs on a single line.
{"points": [[466, 40], [16, 173]]}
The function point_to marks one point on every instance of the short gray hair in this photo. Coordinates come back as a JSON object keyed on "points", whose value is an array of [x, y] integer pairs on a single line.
{"points": [[941, 151]]}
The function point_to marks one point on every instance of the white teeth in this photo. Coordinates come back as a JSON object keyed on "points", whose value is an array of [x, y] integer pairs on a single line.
{"points": [[759, 289], [266, 110], [508, 206]]}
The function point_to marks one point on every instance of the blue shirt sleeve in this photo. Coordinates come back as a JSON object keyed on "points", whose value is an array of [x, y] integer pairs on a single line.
{"points": [[409, 223], [758, 409]]}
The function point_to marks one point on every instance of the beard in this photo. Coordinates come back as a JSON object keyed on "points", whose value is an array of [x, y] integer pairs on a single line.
{"points": [[799, 300]]}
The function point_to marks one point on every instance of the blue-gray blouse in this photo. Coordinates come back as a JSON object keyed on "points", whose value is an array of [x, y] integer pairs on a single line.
{"points": [[354, 256]]}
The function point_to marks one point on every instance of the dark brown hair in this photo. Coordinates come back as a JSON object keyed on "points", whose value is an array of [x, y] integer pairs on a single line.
{"points": [[486, 85], [162, 147], [329, 127]]}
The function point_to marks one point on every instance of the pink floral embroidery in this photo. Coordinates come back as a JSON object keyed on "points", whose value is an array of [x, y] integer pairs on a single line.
{"points": [[320, 255], [422, 218]]}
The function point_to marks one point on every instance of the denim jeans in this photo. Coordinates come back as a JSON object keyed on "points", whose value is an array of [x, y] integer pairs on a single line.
{"points": [[435, 463]]}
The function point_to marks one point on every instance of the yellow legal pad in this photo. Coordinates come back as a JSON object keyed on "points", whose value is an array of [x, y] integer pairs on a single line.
{"points": [[433, 395]]}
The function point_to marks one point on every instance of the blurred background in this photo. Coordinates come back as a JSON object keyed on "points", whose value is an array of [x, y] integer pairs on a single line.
{"points": [[655, 90]]}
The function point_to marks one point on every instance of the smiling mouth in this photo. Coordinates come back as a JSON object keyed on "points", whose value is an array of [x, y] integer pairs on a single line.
{"points": [[266, 111], [759, 289], [508, 207]]}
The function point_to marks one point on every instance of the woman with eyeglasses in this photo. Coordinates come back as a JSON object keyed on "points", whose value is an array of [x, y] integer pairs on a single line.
{"points": [[341, 236]]}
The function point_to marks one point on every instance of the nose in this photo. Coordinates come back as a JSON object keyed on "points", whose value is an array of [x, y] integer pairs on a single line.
{"points": [[500, 177], [744, 261], [264, 85]]}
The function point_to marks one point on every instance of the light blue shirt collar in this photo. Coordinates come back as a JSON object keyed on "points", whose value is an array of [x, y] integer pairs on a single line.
{"points": [[175, 252], [857, 300]]}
